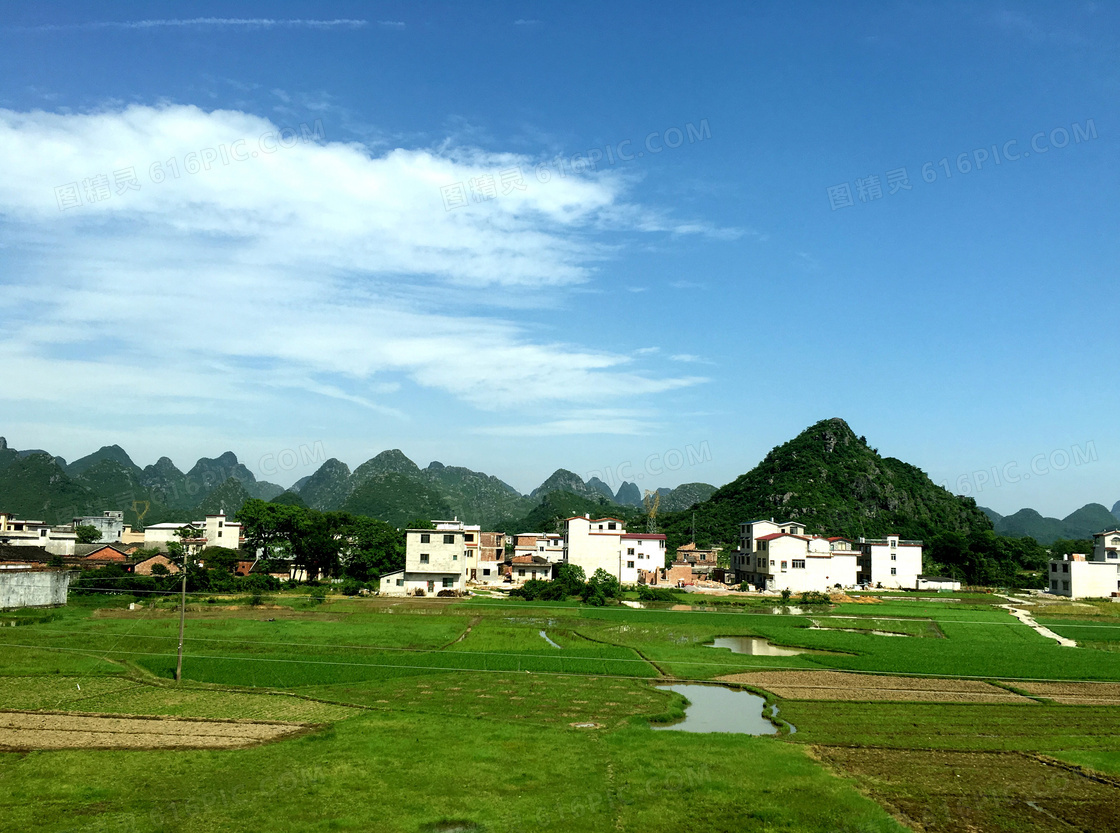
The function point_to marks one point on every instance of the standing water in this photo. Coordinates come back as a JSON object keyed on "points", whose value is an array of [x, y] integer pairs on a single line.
{"points": [[754, 646], [718, 709]]}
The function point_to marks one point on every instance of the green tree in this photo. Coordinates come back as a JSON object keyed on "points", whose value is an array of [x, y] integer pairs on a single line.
{"points": [[570, 578], [374, 548], [87, 534], [605, 584]]}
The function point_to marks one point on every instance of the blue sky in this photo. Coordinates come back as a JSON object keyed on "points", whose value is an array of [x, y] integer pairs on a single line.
{"points": [[384, 232]]}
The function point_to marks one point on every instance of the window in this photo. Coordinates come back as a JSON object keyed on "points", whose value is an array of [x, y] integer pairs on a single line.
{"points": [[1065, 568], [470, 553], [400, 582], [783, 565], [1053, 585], [630, 551], [1112, 555], [455, 556], [219, 533], [894, 557], [425, 538], [894, 543], [894, 571], [630, 564], [468, 537], [449, 539], [486, 571], [1053, 568], [1065, 585], [798, 563], [423, 558], [449, 582], [612, 525], [521, 572]]}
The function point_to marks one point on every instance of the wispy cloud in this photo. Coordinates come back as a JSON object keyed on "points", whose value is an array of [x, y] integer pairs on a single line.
{"points": [[690, 358], [200, 22], [320, 266], [392, 24]]}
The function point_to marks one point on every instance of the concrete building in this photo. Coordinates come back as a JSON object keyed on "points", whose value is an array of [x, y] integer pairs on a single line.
{"points": [[212, 531], [1092, 576], [26, 533], [26, 585], [781, 556], [550, 547], [523, 568], [890, 562], [434, 560], [604, 543], [938, 583], [491, 555], [109, 523]]}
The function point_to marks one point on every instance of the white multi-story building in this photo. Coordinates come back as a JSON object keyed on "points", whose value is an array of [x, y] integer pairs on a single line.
{"points": [[212, 531], [550, 547], [25, 533], [1093, 576], [435, 559], [109, 523], [781, 556], [890, 562], [604, 543]]}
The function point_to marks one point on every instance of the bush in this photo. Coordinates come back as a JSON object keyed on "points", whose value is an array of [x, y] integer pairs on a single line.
{"points": [[539, 590], [351, 587], [813, 597], [606, 584], [655, 594], [593, 596], [786, 596], [448, 593], [256, 599]]}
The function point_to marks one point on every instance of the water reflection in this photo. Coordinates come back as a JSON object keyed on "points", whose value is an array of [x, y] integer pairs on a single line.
{"points": [[719, 709], [754, 646]]}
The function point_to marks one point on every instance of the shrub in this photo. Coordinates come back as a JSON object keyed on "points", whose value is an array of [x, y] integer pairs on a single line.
{"points": [[813, 597], [786, 596], [655, 594], [351, 587], [538, 589]]}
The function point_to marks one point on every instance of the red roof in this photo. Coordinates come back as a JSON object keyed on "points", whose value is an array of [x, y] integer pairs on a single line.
{"points": [[841, 538], [774, 535], [650, 535], [107, 553], [593, 520]]}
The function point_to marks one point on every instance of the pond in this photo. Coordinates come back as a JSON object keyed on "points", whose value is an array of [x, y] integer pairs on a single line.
{"points": [[717, 709], [755, 646]]}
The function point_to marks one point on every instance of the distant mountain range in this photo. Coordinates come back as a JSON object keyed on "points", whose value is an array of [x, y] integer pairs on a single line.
{"points": [[389, 486], [826, 477], [1089, 519]]}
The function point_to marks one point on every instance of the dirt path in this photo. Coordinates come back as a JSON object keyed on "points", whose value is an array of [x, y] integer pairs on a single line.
{"points": [[1029, 621]]}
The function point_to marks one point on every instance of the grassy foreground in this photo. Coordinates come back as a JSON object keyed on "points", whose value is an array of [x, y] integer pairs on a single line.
{"points": [[438, 715]]}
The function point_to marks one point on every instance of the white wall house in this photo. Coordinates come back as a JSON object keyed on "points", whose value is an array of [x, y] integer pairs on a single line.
{"points": [[435, 559], [24, 533], [211, 531], [109, 523], [781, 556], [1093, 576], [603, 543], [891, 562]]}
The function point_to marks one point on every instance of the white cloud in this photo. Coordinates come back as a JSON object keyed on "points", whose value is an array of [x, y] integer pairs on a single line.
{"points": [[313, 265]]}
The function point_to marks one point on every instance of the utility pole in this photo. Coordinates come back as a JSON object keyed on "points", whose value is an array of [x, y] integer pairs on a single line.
{"points": [[182, 605]]}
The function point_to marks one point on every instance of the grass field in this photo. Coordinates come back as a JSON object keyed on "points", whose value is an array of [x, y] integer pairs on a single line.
{"points": [[494, 715]]}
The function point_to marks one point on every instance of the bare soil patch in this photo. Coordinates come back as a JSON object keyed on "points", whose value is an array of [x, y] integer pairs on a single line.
{"points": [[66, 730], [948, 792], [839, 685], [1076, 694]]}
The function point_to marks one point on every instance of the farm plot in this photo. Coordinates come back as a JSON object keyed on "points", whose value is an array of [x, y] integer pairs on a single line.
{"points": [[946, 792], [62, 730], [1075, 694], [838, 685]]}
